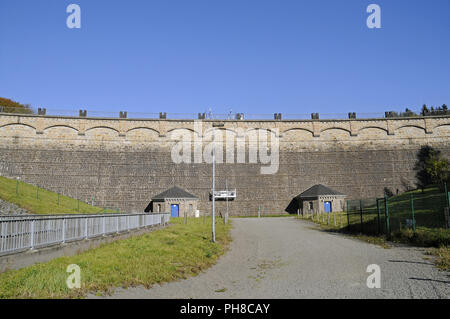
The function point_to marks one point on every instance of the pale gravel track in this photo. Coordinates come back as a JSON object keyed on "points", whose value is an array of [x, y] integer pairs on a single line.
{"points": [[289, 258]]}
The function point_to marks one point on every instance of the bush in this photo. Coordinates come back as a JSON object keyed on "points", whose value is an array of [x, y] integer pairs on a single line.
{"points": [[388, 192]]}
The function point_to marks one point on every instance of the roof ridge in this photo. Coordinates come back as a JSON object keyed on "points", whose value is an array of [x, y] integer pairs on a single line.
{"points": [[174, 192], [318, 190]]}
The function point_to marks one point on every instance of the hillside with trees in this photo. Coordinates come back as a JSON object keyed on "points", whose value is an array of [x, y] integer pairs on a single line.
{"points": [[10, 106]]}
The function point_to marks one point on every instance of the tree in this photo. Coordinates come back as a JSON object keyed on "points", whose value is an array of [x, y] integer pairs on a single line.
{"points": [[425, 110], [408, 113], [422, 176], [437, 167], [10, 106], [431, 167]]}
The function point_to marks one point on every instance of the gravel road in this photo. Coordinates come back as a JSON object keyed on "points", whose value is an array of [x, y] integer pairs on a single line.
{"points": [[289, 258]]}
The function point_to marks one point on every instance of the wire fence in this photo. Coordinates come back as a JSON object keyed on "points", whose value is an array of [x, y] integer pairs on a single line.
{"points": [[425, 211], [216, 116], [36, 231], [410, 211]]}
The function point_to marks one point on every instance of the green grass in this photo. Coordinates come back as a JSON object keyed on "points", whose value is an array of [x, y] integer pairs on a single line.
{"points": [[442, 257], [40, 201], [176, 252], [424, 237]]}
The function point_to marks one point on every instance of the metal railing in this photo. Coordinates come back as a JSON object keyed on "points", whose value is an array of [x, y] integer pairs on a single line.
{"points": [[218, 116], [18, 233]]}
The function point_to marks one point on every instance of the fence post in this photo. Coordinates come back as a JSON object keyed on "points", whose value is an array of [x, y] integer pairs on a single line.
{"points": [[412, 213], [37, 192], [104, 225], [32, 234], [86, 228], [64, 231], [446, 192], [17, 187], [361, 214], [448, 198], [386, 212], [448, 195], [378, 213], [118, 219], [58, 199]]}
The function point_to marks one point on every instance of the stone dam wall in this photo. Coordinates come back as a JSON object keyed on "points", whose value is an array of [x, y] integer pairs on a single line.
{"points": [[122, 163]]}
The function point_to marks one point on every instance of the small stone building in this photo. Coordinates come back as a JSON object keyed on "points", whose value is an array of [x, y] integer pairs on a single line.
{"points": [[176, 201], [321, 199]]}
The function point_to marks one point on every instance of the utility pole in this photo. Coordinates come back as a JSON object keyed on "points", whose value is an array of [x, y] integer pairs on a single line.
{"points": [[213, 181], [226, 215]]}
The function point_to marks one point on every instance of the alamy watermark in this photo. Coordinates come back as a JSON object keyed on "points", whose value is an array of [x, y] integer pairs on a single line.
{"points": [[74, 279], [253, 146], [74, 19], [374, 19], [374, 279]]}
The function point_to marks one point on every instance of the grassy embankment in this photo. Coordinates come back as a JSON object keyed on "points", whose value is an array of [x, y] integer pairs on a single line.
{"points": [[41, 201], [176, 252], [428, 213]]}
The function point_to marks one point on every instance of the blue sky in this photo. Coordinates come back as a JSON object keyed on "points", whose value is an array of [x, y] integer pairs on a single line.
{"points": [[254, 56]]}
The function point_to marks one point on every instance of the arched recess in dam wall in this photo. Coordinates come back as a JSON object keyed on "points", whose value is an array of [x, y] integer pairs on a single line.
{"points": [[124, 162]]}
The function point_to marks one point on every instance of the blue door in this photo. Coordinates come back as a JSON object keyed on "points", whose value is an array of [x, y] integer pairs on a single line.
{"points": [[327, 206], [174, 210]]}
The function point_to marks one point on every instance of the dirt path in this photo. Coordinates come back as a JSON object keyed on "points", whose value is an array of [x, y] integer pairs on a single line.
{"points": [[287, 258]]}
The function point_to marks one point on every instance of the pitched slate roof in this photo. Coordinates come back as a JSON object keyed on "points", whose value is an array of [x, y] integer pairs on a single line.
{"points": [[174, 192], [318, 190]]}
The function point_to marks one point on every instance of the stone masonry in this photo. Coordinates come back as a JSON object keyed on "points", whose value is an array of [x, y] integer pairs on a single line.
{"points": [[124, 162]]}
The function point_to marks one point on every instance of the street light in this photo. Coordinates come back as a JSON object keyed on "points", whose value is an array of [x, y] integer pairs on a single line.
{"points": [[213, 181]]}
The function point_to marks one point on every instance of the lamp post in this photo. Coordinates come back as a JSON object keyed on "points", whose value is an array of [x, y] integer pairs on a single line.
{"points": [[226, 215], [213, 180]]}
